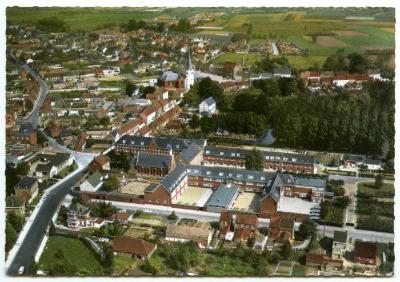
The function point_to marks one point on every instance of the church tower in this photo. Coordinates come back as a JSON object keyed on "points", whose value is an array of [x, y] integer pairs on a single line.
{"points": [[189, 80]]}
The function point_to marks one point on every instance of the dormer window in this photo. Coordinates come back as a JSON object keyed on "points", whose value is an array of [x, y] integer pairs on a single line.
{"points": [[294, 159], [207, 151], [142, 143], [208, 172], [221, 174], [267, 157], [221, 153], [250, 177]]}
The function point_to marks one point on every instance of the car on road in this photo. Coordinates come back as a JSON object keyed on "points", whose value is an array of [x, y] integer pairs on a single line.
{"points": [[21, 270]]}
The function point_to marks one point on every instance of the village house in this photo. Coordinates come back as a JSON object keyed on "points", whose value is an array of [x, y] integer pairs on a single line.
{"points": [[245, 226], [170, 80], [281, 228], [184, 233], [25, 134], [122, 217], [27, 188], [208, 106], [92, 183], [133, 247], [366, 257], [323, 262], [100, 163]]}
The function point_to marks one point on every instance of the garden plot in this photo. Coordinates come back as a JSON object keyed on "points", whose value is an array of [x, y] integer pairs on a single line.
{"points": [[329, 41], [284, 268]]}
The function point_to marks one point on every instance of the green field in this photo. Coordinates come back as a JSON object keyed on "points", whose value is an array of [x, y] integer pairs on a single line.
{"points": [[74, 251]]}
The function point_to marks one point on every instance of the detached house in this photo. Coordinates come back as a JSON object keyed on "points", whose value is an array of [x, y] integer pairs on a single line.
{"points": [[366, 256], [133, 247], [27, 188], [92, 183], [208, 106]]}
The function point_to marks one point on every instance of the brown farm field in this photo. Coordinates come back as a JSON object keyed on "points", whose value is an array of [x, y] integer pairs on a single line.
{"points": [[329, 41]]}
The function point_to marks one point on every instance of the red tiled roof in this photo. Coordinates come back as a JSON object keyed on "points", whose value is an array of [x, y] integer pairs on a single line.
{"points": [[365, 250], [124, 244], [248, 219]]}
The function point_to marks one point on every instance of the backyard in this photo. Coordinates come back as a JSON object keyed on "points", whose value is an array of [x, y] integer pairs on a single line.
{"points": [[69, 256]]}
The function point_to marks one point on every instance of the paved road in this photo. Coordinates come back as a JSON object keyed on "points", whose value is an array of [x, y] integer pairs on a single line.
{"points": [[353, 233], [36, 232]]}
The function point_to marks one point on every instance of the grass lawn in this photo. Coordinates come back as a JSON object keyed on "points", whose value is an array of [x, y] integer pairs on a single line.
{"points": [[299, 270], [75, 252], [226, 266], [121, 264], [368, 188]]}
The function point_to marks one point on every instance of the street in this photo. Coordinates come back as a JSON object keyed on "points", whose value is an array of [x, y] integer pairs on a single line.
{"points": [[38, 227]]}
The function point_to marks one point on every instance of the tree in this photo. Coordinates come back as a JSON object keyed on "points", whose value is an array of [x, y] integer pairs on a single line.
{"points": [[16, 220], [111, 183], [379, 180], [358, 63], [209, 88], [148, 267], [173, 216], [108, 256], [306, 229], [23, 169], [130, 88], [102, 209], [11, 236], [33, 268], [254, 160], [12, 179], [285, 250]]}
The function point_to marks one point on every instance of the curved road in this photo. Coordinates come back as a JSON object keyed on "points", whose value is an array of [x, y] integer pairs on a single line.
{"points": [[38, 223]]}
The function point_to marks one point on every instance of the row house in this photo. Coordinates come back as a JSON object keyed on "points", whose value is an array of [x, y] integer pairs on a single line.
{"points": [[157, 145], [275, 161], [213, 177], [25, 134], [151, 164], [241, 227]]}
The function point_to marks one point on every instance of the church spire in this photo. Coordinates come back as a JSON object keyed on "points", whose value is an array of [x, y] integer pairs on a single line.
{"points": [[189, 61]]}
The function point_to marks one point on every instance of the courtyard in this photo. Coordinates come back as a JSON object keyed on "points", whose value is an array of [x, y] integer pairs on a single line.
{"points": [[195, 196], [134, 188], [247, 201]]}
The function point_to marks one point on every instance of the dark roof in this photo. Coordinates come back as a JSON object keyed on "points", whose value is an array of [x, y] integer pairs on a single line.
{"points": [[151, 187], [365, 249], [55, 159], [231, 173], [25, 129], [136, 246], [26, 182], [172, 179], [94, 179], [340, 236], [44, 167], [209, 101], [168, 76], [269, 156], [310, 182], [190, 152], [223, 196], [152, 160], [162, 142]]}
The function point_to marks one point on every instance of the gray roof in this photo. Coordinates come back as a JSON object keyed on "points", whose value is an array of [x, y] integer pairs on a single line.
{"points": [[340, 236], [223, 196], [152, 160], [172, 179], [151, 187], [209, 101], [44, 167], [268, 156], [310, 182], [354, 158], [25, 129], [168, 76], [26, 182], [56, 159], [166, 143], [274, 190], [190, 152], [282, 71], [231, 173], [94, 179]]}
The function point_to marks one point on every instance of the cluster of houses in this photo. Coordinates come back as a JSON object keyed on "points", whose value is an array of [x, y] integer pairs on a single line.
{"points": [[365, 258], [343, 79]]}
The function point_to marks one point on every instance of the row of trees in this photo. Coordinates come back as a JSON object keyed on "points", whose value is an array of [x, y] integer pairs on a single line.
{"points": [[354, 62]]}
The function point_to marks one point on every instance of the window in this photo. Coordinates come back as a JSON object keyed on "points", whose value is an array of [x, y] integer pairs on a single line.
{"points": [[221, 153]]}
